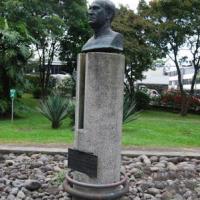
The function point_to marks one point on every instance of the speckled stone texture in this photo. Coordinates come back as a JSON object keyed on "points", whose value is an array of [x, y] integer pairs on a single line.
{"points": [[99, 113]]}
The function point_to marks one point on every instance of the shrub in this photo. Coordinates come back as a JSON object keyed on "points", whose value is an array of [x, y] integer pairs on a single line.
{"points": [[33, 81], [66, 87], [37, 92], [52, 82], [34, 85], [142, 100], [174, 99], [21, 108], [3, 107], [54, 108], [155, 101], [195, 103]]}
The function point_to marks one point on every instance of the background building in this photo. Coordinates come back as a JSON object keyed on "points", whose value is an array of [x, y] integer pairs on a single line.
{"points": [[187, 73], [155, 79]]}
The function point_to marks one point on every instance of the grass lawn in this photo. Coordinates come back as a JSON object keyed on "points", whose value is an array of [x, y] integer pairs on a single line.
{"points": [[151, 129], [163, 129], [32, 127]]}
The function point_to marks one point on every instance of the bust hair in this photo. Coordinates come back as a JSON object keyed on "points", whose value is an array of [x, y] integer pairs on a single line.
{"points": [[109, 6]]}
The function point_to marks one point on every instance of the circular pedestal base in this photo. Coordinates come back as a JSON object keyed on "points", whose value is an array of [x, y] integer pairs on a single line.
{"points": [[85, 191]]}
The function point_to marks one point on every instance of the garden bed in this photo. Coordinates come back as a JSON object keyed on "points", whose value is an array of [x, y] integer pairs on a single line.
{"points": [[40, 176]]}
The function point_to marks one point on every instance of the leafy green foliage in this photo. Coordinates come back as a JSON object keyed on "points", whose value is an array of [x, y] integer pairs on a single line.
{"points": [[151, 129], [21, 108], [173, 99], [14, 53], [43, 24], [139, 52], [54, 108], [33, 82], [37, 92], [142, 100], [66, 87], [78, 32], [52, 24], [3, 106], [32, 127], [58, 178], [129, 109], [176, 27]]}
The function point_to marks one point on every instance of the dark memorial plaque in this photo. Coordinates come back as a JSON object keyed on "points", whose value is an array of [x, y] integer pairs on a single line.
{"points": [[82, 162]]}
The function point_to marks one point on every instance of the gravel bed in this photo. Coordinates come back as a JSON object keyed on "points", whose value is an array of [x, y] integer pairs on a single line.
{"points": [[40, 176]]}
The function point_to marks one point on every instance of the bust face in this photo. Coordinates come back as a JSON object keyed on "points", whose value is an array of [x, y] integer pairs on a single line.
{"points": [[101, 14], [97, 14]]}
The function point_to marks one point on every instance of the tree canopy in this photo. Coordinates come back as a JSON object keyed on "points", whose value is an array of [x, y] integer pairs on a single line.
{"points": [[78, 32], [139, 52], [37, 26], [176, 27], [14, 53]]}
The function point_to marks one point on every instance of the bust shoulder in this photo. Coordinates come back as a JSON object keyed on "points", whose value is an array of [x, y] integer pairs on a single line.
{"points": [[112, 42]]}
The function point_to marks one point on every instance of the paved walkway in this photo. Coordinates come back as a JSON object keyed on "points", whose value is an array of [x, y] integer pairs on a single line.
{"points": [[135, 151]]}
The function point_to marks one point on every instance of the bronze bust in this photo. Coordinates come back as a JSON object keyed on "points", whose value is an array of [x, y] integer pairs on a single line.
{"points": [[101, 14]]}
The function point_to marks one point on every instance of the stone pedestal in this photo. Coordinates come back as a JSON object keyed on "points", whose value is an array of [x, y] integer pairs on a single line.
{"points": [[99, 112]]}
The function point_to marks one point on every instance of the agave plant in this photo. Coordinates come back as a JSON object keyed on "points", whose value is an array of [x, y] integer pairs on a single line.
{"points": [[129, 110], [54, 108]]}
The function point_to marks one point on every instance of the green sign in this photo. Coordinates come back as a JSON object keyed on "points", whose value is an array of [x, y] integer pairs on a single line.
{"points": [[12, 93]]}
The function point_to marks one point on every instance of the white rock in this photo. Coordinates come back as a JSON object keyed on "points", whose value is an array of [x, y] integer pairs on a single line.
{"points": [[21, 195]]}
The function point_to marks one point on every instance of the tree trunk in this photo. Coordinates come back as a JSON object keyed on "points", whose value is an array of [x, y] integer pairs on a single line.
{"points": [[184, 97], [185, 104], [55, 124]]}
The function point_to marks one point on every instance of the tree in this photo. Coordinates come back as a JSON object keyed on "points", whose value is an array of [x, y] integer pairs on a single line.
{"points": [[59, 29], [77, 33], [14, 53], [139, 52], [176, 27], [45, 22]]}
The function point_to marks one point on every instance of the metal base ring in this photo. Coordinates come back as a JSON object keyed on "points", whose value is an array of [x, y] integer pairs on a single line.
{"points": [[123, 188]]}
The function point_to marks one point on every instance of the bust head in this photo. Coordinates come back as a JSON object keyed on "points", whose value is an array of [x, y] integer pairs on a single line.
{"points": [[101, 12]]}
